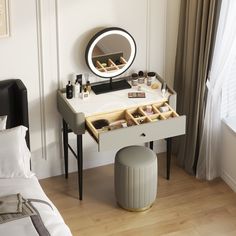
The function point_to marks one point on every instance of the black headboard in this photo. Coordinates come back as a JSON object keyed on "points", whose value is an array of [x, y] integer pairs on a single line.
{"points": [[14, 104]]}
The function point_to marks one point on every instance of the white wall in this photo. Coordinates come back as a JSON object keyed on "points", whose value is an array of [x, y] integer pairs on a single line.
{"points": [[172, 24], [47, 44], [228, 160]]}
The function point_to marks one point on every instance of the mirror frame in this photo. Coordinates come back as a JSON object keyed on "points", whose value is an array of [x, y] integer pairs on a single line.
{"points": [[98, 36]]}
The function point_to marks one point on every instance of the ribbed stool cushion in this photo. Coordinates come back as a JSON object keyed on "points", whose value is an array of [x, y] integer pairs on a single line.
{"points": [[135, 177]]}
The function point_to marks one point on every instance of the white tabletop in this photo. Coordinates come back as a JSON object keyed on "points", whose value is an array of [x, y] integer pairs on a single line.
{"points": [[117, 100]]}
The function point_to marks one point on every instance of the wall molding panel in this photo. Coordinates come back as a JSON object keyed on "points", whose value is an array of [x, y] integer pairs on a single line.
{"points": [[41, 78], [50, 37], [148, 29]]}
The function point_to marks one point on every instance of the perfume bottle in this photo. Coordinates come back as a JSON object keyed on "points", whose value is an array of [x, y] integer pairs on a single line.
{"points": [[88, 86], [85, 93], [76, 90], [163, 88], [69, 90], [79, 80]]}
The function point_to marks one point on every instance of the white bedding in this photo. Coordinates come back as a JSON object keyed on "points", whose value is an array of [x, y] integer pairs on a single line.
{"points": [[30, 188]]}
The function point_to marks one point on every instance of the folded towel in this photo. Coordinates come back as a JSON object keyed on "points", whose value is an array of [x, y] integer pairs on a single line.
{"points": [[11, 204]]}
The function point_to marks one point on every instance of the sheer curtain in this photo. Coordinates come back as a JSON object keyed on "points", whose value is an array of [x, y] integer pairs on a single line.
{"points": [[196, 38], [223, 61]]}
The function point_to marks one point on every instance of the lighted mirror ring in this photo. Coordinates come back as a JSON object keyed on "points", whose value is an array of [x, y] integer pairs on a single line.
{"points": [[100, 35]]}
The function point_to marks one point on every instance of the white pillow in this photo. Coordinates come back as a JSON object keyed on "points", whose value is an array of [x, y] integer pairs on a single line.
{"points": [[14, 154], [3, 122]]}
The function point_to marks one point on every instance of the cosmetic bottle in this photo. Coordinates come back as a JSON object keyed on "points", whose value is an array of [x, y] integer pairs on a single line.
{"points": [[163, 88], [79, 80], [88, 86], [76, 90], [85, 93], [69, 90]]}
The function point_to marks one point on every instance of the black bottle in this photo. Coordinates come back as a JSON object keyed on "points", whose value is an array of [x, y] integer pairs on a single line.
{"points": [[69, 90]]}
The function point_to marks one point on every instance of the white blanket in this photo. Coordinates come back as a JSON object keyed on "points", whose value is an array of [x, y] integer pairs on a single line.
{"points": [[30, 188]]}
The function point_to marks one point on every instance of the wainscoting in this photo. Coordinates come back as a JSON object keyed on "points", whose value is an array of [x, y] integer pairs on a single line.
{"points": [[46, 48]]}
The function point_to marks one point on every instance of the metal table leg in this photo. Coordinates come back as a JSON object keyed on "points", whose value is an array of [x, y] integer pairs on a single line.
{"points": [[151, 145], [80, 165], [168, 160], [65, 146]]}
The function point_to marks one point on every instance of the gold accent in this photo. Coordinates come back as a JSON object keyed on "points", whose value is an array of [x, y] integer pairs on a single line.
{"points": [[136, 209]]}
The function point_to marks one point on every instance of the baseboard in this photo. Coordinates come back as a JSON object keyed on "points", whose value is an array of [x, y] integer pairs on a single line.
{"points": [[43, 168], [229, 180]]}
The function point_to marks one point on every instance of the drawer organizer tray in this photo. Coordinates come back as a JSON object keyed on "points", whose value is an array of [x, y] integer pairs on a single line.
{"points": [[109, 62], [135, 125]]}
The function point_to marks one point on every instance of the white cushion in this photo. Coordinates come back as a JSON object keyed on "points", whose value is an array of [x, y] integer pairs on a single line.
{"points": [[3, 122], [14, 154]]}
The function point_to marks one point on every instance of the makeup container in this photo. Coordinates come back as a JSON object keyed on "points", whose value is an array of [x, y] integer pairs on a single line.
{"points": [[88, 86], [79, 80], [69, 90], [76, 89], [141, 77], [163, 88], [134, 80], [85, 93], [148, 110], [101, 123], [164, 109], [150, 78]]}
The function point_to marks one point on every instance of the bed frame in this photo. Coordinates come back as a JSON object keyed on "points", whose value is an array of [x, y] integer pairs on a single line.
{"points": [[14, 104]]}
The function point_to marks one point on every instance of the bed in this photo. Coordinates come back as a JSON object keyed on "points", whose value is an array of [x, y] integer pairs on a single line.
{"points": [[16, 179]]}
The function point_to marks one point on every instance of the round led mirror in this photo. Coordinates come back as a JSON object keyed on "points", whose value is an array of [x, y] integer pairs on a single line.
{"points": [[110, 52]]}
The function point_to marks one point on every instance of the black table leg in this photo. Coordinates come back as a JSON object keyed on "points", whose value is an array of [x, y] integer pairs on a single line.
{"points": [[80, 165], [65, 144], [151, 145], [168, 160]]}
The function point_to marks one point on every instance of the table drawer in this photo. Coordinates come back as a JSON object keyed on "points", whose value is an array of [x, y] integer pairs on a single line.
{"points": [[144, 124]]}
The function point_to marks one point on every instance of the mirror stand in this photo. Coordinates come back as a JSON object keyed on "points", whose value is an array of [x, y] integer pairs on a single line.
{"points": [[111, 86], [109, 53]]}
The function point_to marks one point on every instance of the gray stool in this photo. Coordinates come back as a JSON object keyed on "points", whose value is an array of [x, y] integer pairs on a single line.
{"points": [[135, 178]]}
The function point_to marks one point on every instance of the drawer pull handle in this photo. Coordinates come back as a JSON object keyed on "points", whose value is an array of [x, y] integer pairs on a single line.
{"points": [[143, 135]]}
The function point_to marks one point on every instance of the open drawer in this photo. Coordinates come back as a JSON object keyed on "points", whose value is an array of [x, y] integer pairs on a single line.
{"points": [[135, 125]]}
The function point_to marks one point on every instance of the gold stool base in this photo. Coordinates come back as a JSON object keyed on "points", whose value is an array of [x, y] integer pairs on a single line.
{"points": [[136, 209]]}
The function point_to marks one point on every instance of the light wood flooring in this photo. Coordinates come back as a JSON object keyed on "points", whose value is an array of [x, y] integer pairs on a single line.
{"points": [[184, 206]]}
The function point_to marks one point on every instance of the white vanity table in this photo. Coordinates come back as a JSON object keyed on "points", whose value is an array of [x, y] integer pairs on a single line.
{"points": [[109, 53], [78, 114]]}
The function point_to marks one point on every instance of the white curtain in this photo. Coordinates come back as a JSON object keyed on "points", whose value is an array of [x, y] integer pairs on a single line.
{"points": [[223, 60]]}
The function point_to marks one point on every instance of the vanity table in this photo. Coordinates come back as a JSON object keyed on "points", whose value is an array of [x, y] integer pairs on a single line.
{"points": [[78, 116], [109, 53]]}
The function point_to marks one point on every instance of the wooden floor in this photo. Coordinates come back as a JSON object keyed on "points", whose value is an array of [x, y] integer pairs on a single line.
{"points": [[184, 206]]}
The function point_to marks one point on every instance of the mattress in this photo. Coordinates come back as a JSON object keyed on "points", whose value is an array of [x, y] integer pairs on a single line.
{"points": [[30, 188]]}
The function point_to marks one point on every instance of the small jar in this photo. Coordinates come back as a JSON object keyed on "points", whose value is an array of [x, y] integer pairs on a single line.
{"points": [[164, 109], [134, 80], [150, 78], [141, 77]]}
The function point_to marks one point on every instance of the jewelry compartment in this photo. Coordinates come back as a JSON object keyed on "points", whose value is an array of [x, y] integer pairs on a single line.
{"points": [[165, 110], [134, 126], [113, 120]]}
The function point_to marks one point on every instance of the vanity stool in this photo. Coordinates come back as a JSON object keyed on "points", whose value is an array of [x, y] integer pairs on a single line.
{"points": [[135, 178]]}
